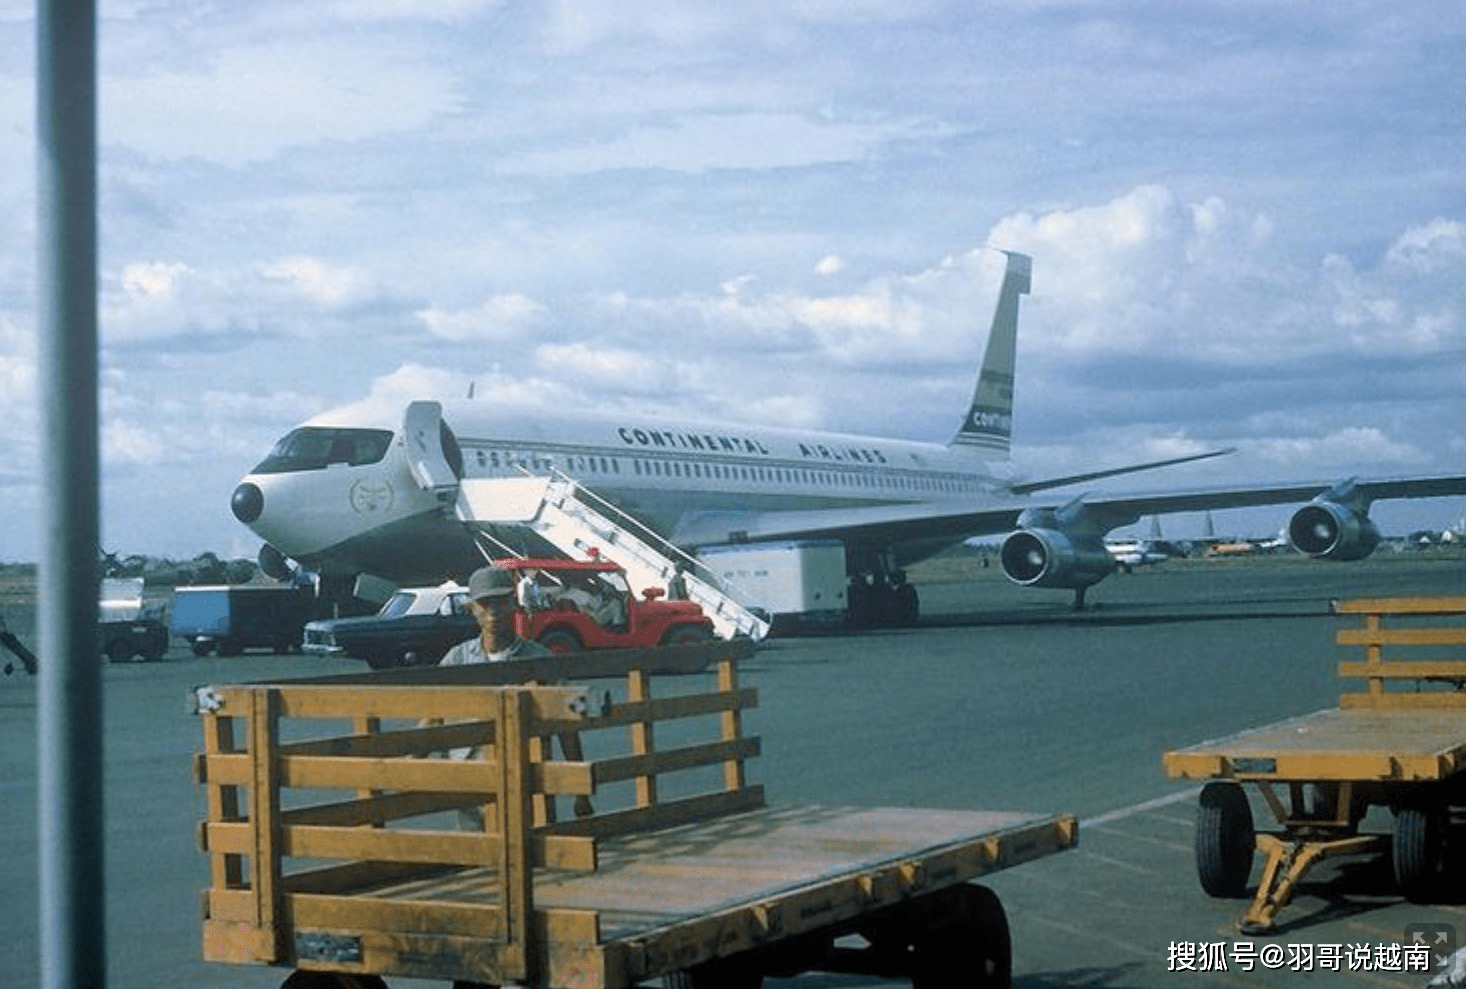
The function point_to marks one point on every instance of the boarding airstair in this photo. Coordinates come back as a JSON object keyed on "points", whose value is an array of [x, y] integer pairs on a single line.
{"points": [[580, 524]]}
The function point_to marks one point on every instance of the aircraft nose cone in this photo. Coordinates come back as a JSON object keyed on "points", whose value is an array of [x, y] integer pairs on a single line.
{"points": [[247, 502]]}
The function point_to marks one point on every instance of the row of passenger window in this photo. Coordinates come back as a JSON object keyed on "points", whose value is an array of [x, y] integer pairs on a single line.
{"points": [[582, 466]]}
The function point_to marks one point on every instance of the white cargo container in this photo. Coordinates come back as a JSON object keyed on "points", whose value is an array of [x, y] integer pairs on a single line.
{"points": [[789, 581]]}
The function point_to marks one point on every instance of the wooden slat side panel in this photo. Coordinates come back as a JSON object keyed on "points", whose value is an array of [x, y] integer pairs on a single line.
{"points": [[1444, 700], [402, 742], [1405, 670], [1440, 636], [674, 760], [317, 865], [398, 916], [437, 775], [380, 809], [388, 845], [515, 819], [625, 713], [1423, 605], [264, 817], [667, 814]]}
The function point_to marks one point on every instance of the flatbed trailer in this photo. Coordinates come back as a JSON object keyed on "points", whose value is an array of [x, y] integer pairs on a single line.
{"points": [[417, 823], [1398, 743]]}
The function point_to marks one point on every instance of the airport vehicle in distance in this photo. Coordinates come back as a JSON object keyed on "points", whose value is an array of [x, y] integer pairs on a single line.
{"points": [[415, 627], [231, 619], [794, 583], [588, 604], [673, 865], [377, 488], [127, 627]]}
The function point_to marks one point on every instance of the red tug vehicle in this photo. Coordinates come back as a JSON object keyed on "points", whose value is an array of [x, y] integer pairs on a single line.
{"points": [[575, 605]]}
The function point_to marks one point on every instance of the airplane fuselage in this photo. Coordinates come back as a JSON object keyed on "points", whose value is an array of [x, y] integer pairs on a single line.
{"points": [[354, 511]]}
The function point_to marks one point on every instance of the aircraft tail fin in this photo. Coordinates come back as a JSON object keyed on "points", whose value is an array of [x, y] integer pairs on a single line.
{"points": [[988, 426]]}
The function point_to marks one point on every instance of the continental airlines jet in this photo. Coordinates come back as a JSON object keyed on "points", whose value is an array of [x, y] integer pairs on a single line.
{"points": [[349, 493]]}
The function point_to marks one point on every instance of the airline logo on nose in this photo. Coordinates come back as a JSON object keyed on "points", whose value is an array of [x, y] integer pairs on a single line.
{"points": [[371, 497]]}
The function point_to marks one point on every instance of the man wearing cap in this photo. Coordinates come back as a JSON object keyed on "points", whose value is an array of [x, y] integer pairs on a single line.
{"points": [[491, 602]]}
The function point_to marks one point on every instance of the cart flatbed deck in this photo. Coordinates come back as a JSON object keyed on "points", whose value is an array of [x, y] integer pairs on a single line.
{"points": [[1399, 743], [381, 872], [1335, 744]]}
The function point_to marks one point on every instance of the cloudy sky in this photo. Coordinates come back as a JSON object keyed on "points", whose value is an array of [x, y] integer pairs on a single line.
{"points": [[1248, 224]]}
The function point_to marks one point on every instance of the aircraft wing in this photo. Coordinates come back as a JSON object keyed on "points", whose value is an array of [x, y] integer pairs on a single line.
{"points": [[961, 519]]}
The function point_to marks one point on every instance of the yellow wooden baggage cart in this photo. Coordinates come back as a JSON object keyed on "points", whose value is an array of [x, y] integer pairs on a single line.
{"points": [[1400, 743], [477, 825]]}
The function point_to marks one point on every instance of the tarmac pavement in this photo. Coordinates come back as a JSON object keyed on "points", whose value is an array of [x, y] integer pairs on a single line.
{"points": [[1002, 698]]}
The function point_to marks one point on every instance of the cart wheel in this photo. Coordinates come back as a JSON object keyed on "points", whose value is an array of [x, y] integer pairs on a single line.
{"points": [[1225, 840], [970, 941], [302, 979], [1419, 851], [724, 973]]}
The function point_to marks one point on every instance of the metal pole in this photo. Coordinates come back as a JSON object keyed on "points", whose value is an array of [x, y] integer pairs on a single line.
{"points": [[73, 928]]}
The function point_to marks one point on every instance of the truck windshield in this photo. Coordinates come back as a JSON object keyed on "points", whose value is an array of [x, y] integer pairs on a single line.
{"points": [[317, 447]]}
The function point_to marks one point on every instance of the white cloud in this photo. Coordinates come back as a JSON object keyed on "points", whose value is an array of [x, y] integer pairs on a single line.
{"points": [[318, 281], [1340, 450], [152, 282], [606, 371], [500, 318], [1431, 247], [446, 11], [829, 265], [730, 140], [248, 103]]}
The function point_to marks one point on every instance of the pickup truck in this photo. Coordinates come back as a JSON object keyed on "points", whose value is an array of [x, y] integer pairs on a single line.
{"points": [[414, 628]]}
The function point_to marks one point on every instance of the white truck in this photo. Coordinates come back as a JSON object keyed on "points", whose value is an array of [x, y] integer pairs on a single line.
{"points": [[801, 582], [128, 628]]}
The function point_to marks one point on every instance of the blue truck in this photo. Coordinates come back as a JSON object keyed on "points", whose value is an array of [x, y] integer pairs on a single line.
{"points": [[231, 619]]}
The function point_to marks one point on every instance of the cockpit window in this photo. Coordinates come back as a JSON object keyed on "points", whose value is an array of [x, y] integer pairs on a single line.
{"points": [[316, 447]]}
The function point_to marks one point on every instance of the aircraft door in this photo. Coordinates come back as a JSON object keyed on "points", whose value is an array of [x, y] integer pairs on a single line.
{"points": [[427, 439]]}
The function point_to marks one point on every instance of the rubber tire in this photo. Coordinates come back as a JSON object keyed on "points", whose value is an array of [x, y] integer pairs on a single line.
{"points": [[306, 979], [685, 635], [156, 647], [907, 605], [561, 641], [722, 973], [970, 944], [1225, 840], [1418, 851], [393, 660], [119, 650]]}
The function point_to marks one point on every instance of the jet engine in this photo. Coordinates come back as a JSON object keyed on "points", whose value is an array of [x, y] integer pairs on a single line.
{"points": [[1327, 530], [1051, 558]]}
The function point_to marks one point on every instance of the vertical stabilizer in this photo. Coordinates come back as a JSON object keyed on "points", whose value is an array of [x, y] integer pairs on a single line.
{"points": [[989, 423]]}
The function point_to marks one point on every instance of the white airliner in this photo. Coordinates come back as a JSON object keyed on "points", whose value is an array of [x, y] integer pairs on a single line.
{"points": [[1132, 553], [350, 493]]}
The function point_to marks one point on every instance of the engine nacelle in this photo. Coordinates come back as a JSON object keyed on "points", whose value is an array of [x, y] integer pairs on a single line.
{"points": [[1050, 558], [1327, 530]]}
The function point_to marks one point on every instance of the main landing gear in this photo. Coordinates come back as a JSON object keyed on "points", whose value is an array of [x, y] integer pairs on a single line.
{"points": [[883, 600]]}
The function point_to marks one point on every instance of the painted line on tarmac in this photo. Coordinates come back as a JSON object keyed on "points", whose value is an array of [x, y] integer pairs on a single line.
{"points": [[1140, 808]]}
